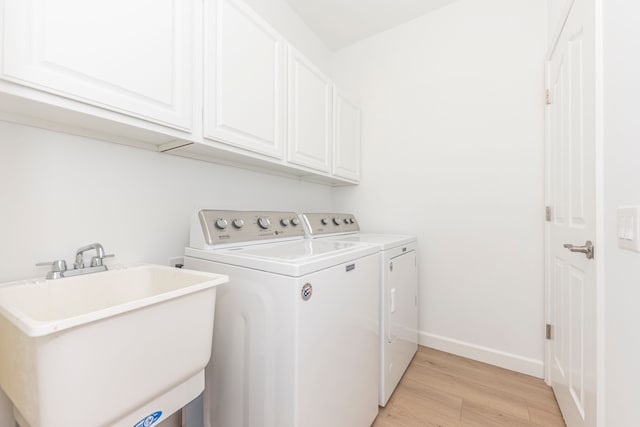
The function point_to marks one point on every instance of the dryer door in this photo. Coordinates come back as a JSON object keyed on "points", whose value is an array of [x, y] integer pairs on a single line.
{"points": [[401, 290]]}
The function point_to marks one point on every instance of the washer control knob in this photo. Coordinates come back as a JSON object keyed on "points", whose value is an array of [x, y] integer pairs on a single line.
{"points": [[346, 221], [221, 223], [285, 222], [324, 221], [351, 221], [238, 223], [264, 222], [295, 221], [336, 221]]}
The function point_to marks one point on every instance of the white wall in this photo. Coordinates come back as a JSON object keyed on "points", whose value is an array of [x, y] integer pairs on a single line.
{"points": [[60, 192], [621, 187], [453, 152]]}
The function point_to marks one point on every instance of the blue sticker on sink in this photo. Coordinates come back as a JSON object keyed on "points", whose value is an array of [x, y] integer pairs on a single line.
{"points": [[149, 420]]}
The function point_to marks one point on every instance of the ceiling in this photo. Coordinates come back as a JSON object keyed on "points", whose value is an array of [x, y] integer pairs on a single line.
{"points": [[340, 23]]}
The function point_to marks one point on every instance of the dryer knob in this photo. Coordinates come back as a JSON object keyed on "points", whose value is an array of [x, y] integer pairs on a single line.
{"points": [[336, 221], [295, 221], [346, 220], [264, 222], [351, 221], [221, 223], [285, 222], [324, 221], [238, 223]]}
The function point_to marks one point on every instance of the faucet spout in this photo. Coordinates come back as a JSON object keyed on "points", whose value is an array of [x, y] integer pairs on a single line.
{"points": [[80, 254]]}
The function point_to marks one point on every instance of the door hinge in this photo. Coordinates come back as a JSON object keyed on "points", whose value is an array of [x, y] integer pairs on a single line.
{"points": [[548, 332], [547, 213], [547, 96]]}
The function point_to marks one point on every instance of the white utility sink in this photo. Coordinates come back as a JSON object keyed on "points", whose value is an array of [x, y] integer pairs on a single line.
{"points": [[106, 349]]}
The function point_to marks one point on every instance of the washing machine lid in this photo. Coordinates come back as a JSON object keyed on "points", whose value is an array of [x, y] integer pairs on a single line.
{"points": [[295, 259]]}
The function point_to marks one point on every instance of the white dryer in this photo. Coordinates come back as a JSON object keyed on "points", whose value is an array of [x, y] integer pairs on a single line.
{"points": [[295, 339], [398, 290]]}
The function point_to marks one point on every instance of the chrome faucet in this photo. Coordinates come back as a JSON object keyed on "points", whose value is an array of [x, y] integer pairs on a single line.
{"points": [[59, 267], [95, 261]]}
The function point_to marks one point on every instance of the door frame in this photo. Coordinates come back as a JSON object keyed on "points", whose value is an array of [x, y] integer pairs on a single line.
{"points": [[599, 209]]}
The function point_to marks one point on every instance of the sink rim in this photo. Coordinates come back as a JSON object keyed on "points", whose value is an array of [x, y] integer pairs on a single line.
{"points": [[38, 328]]}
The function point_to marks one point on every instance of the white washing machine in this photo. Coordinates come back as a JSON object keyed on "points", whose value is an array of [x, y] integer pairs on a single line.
{"points": [[295, 341], [398, 288]]}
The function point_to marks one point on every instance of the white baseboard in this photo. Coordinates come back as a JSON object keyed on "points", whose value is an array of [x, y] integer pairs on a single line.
{"points": [[491, 356]]}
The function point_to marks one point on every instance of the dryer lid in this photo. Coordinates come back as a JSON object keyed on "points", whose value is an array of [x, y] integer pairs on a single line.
{"points": [[383, 241]]}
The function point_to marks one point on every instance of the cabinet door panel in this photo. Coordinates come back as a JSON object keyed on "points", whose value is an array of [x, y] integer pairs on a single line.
{"points": [[346, 147], [310, 114], [244, 79], [129, 56]]}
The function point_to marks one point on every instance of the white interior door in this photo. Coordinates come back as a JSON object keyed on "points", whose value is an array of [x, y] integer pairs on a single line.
{"points": [[571, 276]]}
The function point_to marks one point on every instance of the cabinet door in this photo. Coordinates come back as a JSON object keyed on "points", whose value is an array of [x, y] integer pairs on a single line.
{"points": [[310, 114], [346, 145], [244, 79], [129, 56]]}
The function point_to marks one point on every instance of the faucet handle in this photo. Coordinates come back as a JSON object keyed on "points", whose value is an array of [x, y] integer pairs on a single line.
{"points": [[58, 267], [96, 261]]}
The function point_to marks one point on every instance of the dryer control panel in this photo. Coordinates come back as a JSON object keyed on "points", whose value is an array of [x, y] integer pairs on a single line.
{"points": [[321, 224], [214, 227]]}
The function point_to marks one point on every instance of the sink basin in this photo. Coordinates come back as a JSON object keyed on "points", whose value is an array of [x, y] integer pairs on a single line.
{"points": [[106, 349]]}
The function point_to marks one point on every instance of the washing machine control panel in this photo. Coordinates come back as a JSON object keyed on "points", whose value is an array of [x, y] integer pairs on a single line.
{"points": [[318, 224], [216, 227]]}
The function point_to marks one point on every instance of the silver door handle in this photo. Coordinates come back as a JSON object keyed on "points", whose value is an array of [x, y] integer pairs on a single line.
{"points": [[587, 249]]}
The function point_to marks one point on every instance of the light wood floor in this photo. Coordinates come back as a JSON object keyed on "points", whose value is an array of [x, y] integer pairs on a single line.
{"points": [[440, 389]]}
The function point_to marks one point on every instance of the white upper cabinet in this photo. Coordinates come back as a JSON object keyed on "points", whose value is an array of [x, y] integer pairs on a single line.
{"points": [[129, 56], [207, 79], [244, 79], [310, 106], [346, 145]]}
